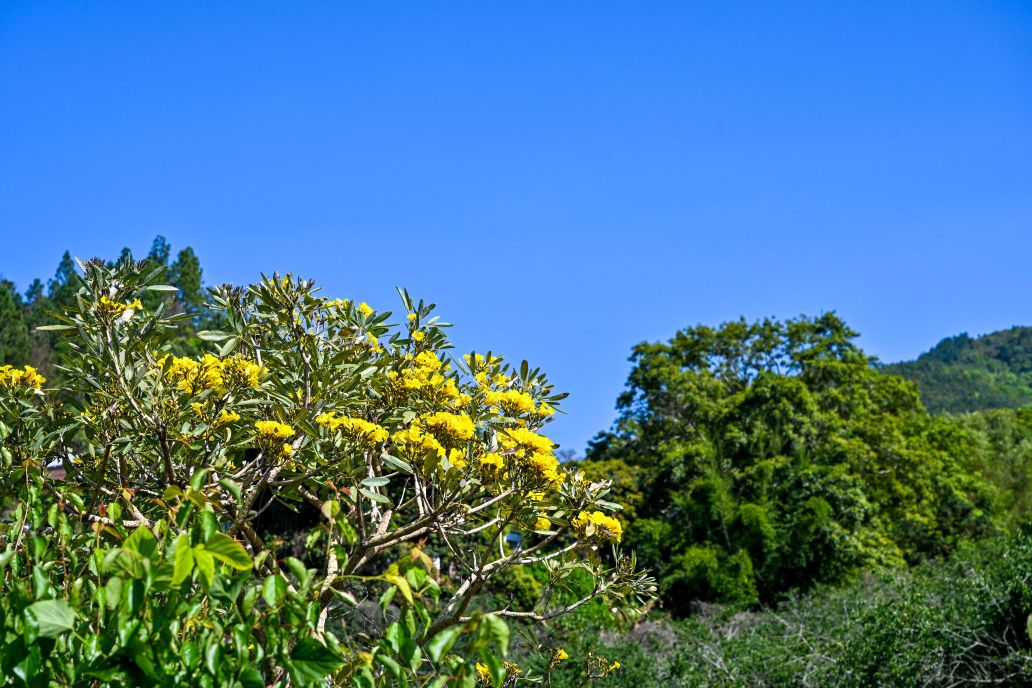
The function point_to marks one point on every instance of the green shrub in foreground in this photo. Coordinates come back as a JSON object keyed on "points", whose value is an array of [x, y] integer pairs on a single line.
{"points": [[149, 565]]}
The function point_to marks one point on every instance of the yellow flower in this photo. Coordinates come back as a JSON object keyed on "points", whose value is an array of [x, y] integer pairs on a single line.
{"points": [[356, 429], [114, 307], [512, 402], [491, 459], [418, 336], [597, 527], [484, 673], [411, 317], [365, 309], [448, 428], [542, 523], [273, 430], [560, 654], [287, 451], [227, 417], [457, 457], [27, 377]]}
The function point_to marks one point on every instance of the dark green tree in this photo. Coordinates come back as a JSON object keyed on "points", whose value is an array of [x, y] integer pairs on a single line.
{"points": [[773, 455], [186, 275], [14, 334]]}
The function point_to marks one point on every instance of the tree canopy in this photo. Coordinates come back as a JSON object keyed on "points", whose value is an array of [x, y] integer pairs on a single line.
{"points": [[774, 455]]}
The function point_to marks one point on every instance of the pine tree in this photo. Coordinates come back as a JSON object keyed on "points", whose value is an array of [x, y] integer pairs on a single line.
{"points": [[14, 334], [186, 275], [160, 251]]}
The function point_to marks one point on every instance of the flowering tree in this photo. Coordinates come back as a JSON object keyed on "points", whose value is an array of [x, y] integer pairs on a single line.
{"points": [[153, 562]]}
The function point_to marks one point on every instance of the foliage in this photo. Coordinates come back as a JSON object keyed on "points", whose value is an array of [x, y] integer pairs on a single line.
{"points": [[150, 563], [773, 455], [964, 373], [957, 622]]}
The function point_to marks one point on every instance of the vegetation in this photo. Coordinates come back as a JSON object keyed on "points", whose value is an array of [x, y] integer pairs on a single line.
{"points": [[773, 456], [963, 373], [151, 564], [958, 622], [265, 487]]}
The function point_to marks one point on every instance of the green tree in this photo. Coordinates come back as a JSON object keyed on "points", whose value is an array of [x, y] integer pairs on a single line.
{"points": [[14, 334], [775, 456], [186, 275]]}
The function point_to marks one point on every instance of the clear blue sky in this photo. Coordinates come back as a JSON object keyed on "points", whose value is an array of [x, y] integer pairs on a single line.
{"points": [[564, 179]]}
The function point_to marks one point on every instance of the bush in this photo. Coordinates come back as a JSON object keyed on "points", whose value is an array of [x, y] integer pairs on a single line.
{"points": [[956, 622], [154, 563]]}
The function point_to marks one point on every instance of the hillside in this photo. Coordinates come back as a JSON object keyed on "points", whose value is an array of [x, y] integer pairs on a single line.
{"points": [[965, 373]]}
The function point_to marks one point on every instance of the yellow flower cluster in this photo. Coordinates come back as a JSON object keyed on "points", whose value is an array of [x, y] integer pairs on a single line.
{"points": [[597, 527], [511, 402], [273, 430], [426, 378], [11, 377], [114, 307], [356, 429], [212, 373], [529, 453], [365, 309], [226, 417], [449, 428], [440, 433]]}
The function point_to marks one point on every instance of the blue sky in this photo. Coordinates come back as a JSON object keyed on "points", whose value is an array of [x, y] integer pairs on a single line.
{"points": [[564, 179]]}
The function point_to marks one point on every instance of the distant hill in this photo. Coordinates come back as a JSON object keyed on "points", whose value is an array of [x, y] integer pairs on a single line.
{"points": [[964, 373]]}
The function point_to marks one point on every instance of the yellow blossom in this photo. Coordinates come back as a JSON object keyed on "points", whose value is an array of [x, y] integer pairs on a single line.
{"points": [[226, 417], [597, 527], [365, 309], [273, 430], [512, 402], [418, 336], [27, 377], [355, 429], [542, 523]]}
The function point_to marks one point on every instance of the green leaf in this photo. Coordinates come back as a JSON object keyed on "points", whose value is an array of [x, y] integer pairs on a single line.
{"points": [[205, 562], [142, 541], [376, 481], [273, 589], [161, 287], [232, 487], [375, 496], [228, 551], [212, 335], [54, 328], [442, 642], [497, 630], [311, 662], [400, 583], [184, 560], [54, 617]]}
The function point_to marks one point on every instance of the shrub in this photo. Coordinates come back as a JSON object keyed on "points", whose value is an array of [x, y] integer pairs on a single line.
{"points": [[150, 564]]}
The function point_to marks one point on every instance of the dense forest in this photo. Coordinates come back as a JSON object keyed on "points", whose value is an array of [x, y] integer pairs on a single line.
{"points": [[964, 373], [811, 517]]}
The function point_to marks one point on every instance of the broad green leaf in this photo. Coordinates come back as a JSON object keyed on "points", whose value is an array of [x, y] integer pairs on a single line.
{"points": [[273, 589], [53, 617], [142, 541], [311, 662], [228, 551], [497, 630], [184, 560], [441, 643], [400, 583], [205, 562]]}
